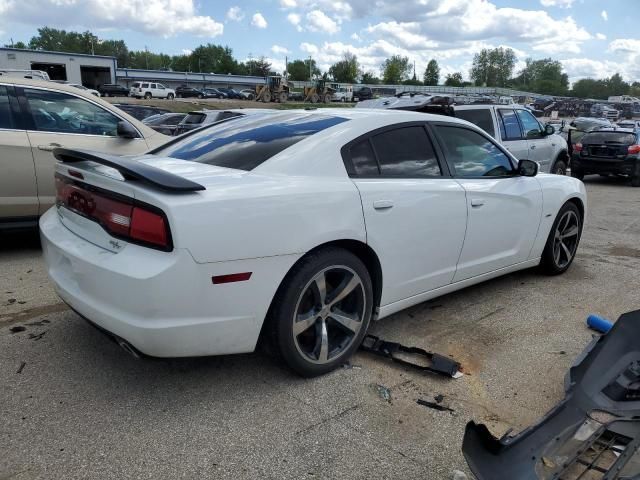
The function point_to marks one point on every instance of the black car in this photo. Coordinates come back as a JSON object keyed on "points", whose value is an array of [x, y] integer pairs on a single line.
{"points": [[213, 93], [188, 92], [195, 120], [606, 152], [113, 90], [363, 93], [166, 123], [231, 93], [140, 112]]}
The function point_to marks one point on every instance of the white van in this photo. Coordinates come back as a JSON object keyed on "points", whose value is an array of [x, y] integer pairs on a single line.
{"points": [[151, 90]]}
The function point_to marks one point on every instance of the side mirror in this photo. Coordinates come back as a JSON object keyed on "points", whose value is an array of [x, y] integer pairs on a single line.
{"points": [[549, 129], [126, 130], [527, 168]]}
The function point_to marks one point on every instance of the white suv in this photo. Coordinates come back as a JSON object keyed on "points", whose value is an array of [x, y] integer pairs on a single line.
{"points": [[151, 90]]}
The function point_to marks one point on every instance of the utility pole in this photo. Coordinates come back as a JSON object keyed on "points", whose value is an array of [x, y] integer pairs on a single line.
{"points": [[310, 70], [250, 57], [286, 67], [146, 56]]}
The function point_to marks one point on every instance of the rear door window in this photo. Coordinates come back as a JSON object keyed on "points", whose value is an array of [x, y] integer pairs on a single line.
{"points": [[481, 117], [509, 125], [6, 118], [145, 85], [363, 159], [406, 152]]}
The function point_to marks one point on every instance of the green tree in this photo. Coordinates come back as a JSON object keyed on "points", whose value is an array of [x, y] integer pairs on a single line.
{"points": [[299, 70], [395, 69], [543, 76], [369, 78], [453, 79], [346, 70], [18, 44], [493, 67], [432, 73], [617, 86], [259, 67], [113, 48]]}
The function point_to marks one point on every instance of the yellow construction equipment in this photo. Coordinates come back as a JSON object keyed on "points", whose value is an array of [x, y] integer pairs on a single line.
{"points": [[320, 92], [275, 89]]}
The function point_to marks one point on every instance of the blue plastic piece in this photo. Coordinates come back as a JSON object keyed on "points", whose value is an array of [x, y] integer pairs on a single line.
{"points": [[598, 323]]}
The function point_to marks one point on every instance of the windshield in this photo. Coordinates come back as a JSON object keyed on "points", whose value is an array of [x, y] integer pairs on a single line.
{"points": [[624, 138], [246, 142]]}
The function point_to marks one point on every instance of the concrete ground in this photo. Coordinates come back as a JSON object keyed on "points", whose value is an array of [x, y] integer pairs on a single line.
{"points": [[73, 405]]}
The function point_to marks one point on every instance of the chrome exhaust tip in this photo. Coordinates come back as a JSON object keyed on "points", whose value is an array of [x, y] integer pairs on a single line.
{"points": [[127, 347]]}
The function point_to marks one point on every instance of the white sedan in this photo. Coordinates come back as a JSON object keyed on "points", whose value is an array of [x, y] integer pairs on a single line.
{"points": [[297, 227]]}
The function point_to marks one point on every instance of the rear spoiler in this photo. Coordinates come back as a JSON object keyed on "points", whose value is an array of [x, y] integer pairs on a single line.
{"points": [[131, 169]]}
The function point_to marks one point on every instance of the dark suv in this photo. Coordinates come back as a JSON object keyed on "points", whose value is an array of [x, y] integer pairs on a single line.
{"points": [[188, 92], [608, 151], [113, 90], [363, 93]]}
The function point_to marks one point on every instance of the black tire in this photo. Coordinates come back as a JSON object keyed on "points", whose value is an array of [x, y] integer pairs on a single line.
{"points": [[558, 254], [170, 96], [559, 167], [635, 178], [577, 173], [290, 299], [147, 96]]}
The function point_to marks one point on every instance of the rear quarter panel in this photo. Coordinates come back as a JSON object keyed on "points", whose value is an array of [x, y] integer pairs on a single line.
{"points": [[556, 191]]}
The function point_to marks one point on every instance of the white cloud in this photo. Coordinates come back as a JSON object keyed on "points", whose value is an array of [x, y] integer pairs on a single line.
{"points": [[235, 13], [278, 50], [318, 21], [288, 3], [309, 48], [407, 34], [557, 3], [356, 37], [601, 36], [604, 15], [258, 20], [158, 17], [186, 51], [294, 19], [625, 45]]}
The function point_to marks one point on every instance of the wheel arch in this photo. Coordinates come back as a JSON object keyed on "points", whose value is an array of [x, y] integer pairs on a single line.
{"points": [[563, 155]]}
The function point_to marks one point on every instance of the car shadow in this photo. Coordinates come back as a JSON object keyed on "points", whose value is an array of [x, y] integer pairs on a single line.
{"points": [[19, 240]]}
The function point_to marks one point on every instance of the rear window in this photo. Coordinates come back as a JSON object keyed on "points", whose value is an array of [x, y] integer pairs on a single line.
{"points": [[609, 137], [481, 118], [247, 142], [134, 85]]}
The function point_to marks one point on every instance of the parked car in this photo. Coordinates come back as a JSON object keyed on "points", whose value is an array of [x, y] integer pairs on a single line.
{"points": [[200, 118], [248, 94], [165, 123], [514, 126], [608, 152], [600, 110], [33, 74], [296, 96], [150, 90], [81, 87], [633, 124], [140, 112], [363, 93], [38, 116], [343, 94], [113, 90], [314, 222], [213, 93], [188, 92], [231, 93]]}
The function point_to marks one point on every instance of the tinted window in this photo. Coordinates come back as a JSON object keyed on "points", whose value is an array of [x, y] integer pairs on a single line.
{"points": [[59, 112], [624, 138], [531, 126], [363, 160], [473, 155], [406, 152], [194, 118], [5, 109], [246, 142], [134, 85], [509, 126], [481, 118], [145, 85]]}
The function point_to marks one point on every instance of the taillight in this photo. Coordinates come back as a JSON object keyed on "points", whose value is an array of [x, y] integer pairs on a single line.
{"points": [[633, 149], [577, 147], [119, 216]]}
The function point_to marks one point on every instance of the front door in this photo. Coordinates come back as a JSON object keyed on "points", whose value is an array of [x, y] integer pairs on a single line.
{"points": [[540, 148], [415, 214], [63, 120], [504, 208]]}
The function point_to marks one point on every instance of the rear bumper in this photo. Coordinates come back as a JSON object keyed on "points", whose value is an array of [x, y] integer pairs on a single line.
{"points": [[164, 304], [598, 165]]}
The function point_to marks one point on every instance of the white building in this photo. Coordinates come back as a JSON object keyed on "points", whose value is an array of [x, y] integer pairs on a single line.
{"points": [[88, 70]]}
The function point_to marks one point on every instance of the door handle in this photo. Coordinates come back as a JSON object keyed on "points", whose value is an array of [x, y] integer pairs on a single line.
{"points": [[49, 148], [382, 204], [477, 202]]}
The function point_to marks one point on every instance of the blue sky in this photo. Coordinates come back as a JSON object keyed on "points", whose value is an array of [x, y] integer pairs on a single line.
{"points": [[592, 38]]}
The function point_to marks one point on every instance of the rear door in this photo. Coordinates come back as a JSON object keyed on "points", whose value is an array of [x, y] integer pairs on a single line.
{"points": [[540, 148], [504, 208], [415, 213], [18, 187], [57, 119], [511, 134]]}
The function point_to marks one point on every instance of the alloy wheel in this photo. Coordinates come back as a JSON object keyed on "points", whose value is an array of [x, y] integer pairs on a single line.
{"points": [[329, 314], [565, 239]]}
